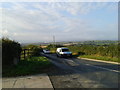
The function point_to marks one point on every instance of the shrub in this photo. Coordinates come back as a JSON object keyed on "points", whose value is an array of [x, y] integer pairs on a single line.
{"points": [[54, 46], [10, 50], [111, 50], [30, 46], [36, 51]]}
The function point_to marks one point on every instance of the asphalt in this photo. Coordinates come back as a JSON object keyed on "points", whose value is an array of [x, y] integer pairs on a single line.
{"points": [[81, 73]]}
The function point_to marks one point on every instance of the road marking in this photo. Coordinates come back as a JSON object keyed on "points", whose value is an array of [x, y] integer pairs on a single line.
{"points": [[100, 61], [91, 65], [98, 67], [71, 62], [103, 68]]}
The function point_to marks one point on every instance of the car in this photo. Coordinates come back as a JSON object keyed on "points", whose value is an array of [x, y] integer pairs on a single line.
{"points": [[63, 52], [46, 51]]}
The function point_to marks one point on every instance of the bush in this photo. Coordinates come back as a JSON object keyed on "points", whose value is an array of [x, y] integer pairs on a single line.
{"points": [[36, 51], [111, 50], [30, 46], [10, 50], [54, 46]]}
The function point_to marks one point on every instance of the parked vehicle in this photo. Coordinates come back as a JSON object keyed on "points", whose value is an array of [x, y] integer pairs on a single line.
{"points": [[46, 51], [63, 52]]}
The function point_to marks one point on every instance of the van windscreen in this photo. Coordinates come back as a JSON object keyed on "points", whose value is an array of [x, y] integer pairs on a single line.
{"points": [[65, 50]]}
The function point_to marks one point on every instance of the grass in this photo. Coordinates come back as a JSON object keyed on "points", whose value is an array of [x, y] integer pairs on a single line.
{"points": [[100, 58], [53, 50], [33, 65]]}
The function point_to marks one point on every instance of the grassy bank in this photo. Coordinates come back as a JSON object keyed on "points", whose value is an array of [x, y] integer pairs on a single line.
{"points": [[100, 58], [28, 66]]}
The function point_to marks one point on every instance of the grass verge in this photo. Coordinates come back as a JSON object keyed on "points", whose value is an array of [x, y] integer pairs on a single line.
{"points": [[100, 58], [28, 66]]}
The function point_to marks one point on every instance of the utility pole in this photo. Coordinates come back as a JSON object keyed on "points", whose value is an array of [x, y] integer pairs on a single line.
{"points": [[53, 41]]}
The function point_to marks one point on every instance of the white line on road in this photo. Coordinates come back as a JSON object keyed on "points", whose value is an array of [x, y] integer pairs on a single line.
{"points": [[100, 61], [97, 67], [93, 66], [103, 68], [71, 62]]}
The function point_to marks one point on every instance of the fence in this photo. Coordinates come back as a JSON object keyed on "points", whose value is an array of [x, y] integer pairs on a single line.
{"points": [[25, 53]]}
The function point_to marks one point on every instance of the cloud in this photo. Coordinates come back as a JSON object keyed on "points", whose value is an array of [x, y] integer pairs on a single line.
{"points": [[5, 32], [28, 22]]}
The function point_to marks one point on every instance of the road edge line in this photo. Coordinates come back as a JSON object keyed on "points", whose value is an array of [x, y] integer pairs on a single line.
{"points": [[100, 60]]}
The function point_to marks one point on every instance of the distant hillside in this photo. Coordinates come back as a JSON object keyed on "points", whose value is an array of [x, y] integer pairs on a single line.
{"points": [[99, 42], [94, 42], [24, 44]]}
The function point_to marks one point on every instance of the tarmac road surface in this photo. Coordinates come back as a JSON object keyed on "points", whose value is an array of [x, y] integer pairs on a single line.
{"points": [[81, 73]]}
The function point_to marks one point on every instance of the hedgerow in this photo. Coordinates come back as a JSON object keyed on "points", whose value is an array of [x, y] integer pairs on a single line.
{"points": [[109, 50], [10, 50]]}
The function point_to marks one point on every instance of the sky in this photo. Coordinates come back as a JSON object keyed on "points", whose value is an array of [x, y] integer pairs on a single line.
{"points": [[28, 22]]}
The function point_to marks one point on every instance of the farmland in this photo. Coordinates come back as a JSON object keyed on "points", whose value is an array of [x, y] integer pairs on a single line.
{"points": [[103, 50]]}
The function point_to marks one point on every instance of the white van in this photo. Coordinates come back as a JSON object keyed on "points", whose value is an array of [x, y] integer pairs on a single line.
{"points": [[63, 52]]}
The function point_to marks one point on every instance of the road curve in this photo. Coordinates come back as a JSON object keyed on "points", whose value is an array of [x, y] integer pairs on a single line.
{"points": [[81, 73]]}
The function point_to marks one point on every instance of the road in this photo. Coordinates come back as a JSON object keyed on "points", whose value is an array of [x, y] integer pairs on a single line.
{"points": [[81, 73]]}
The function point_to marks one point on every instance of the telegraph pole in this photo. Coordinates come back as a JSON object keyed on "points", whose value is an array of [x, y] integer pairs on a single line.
{"points": [[53, 41]]}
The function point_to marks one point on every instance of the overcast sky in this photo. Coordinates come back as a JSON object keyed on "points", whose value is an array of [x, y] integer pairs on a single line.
{"points": [[67, 21]]}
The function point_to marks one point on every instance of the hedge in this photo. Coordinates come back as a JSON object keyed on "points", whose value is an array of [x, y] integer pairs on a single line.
{"points": [[10, 50], [110, 50]]}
